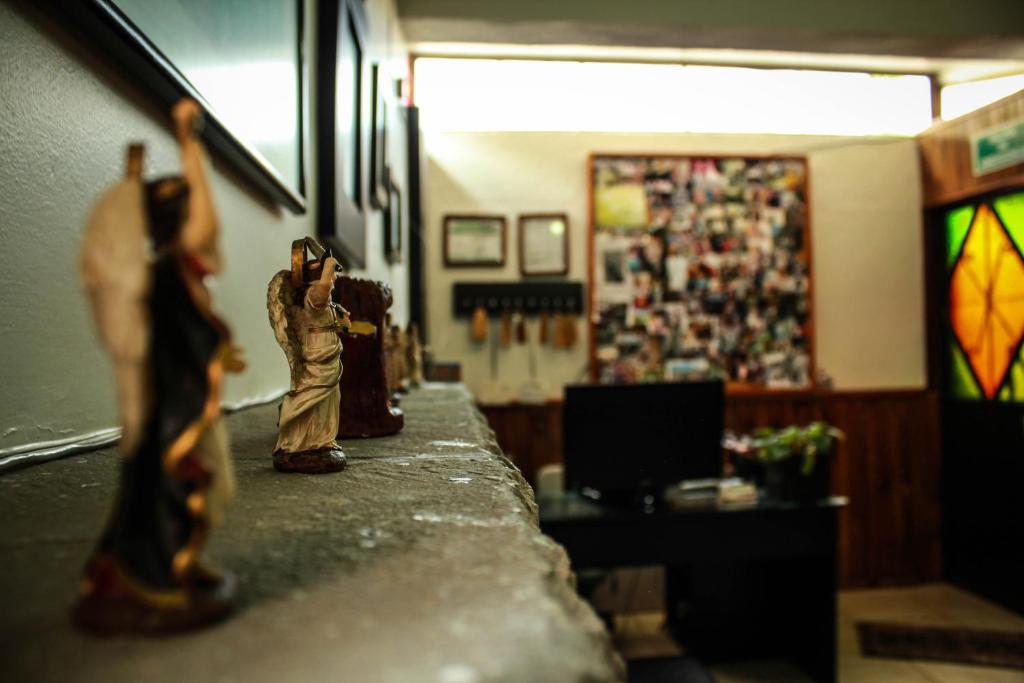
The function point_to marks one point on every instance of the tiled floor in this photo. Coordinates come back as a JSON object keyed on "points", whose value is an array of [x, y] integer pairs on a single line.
{"points": [[640, 636], [932, 605]]}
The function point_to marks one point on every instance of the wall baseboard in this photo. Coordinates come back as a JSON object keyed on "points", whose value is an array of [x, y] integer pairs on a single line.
{"points": [[44, 451]]}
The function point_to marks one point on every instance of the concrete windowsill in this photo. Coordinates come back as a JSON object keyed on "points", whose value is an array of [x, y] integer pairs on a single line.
{"points": [[422, 562]]}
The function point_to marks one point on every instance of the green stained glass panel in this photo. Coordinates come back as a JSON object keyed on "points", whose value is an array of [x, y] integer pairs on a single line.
{"points": [[984, 291], [962, 383], [958, 222], [1010, 209], [1013, 390]]}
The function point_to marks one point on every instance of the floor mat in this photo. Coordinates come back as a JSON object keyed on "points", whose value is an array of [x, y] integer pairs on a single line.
{"points": [[961, 645]]}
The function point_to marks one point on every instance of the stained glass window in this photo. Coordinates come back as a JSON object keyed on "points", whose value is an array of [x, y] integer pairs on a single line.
{"points": [[984, 247]]}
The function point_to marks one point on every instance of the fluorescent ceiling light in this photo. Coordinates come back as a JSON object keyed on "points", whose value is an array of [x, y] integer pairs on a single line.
{"points": [[530, 95], [962, 98], [946, 70]]}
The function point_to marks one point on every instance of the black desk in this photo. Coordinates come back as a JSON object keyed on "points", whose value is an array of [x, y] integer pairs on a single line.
{"points": [[741, 582]]}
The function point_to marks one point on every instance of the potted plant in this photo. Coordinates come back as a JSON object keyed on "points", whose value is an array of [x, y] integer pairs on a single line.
{"points": [[797, 461]]}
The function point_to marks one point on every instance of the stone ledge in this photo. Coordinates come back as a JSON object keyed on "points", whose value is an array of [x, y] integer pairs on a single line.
{"points": [[421, 562]]}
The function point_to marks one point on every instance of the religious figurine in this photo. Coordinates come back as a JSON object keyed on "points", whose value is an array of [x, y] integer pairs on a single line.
{"points": [[307, 324], [147, 249], [399, 360], [390, 345], [366, 408], [415, 355]]}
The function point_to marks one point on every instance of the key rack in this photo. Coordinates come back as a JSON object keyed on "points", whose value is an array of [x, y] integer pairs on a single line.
{"points": [[529, 298]]}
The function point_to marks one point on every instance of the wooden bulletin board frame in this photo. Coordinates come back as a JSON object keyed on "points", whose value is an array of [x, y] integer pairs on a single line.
{"points": [[804, 254]]}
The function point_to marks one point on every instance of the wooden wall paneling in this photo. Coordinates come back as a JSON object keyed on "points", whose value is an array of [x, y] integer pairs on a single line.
{"points": [[553, 454], [926, 436], [888, 526], [530, 435], [849, 478], [875, 494], [899, 496]]}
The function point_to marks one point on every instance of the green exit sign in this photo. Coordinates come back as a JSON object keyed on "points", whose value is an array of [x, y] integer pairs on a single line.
{"points": [[998, 147]]}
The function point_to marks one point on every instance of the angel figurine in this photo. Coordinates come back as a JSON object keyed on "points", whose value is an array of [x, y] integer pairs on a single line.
{"points": [[147, 248], [307, 324], [414, 355]]}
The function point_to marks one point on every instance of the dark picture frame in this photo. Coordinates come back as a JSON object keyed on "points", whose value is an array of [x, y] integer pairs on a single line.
{"points": [[394, 225], [341, 220], [379, 189], [107, 27], [461, 230], [526, 230]]}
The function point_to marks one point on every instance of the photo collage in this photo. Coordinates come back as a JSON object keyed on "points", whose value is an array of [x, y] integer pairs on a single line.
{"points": [[701, 269]]}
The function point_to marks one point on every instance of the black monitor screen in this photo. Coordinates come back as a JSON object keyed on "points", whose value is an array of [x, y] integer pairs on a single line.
{"points": [[642, 437]]}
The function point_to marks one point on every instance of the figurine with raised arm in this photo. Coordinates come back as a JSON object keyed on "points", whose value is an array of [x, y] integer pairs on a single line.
{"points": [[414, 355], [307, 324], [147, 248]]}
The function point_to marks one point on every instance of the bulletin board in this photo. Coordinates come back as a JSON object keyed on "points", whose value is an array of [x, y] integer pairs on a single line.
{"points": [[700, 267]]}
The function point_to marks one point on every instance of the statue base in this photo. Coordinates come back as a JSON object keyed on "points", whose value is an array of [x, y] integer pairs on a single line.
{"points": [[388, 421], [319, 461], [210, 600]]}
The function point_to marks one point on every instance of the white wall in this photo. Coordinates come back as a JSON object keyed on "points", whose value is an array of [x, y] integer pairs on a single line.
{"points": [[65, 118], [866, 238], [869, 264]]}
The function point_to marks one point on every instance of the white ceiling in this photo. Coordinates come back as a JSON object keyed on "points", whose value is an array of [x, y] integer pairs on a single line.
{"points": [[957, 40]]}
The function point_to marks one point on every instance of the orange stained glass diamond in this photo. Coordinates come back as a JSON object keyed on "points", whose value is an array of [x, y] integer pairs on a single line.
{"points": [[986, 299]]}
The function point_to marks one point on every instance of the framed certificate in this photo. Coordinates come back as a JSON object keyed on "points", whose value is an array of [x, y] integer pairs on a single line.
{"points": [[544, 244], [474, 241], [380, 173]]}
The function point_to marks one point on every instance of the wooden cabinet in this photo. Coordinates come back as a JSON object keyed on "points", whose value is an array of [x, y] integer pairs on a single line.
{"points": [[530, 435]]}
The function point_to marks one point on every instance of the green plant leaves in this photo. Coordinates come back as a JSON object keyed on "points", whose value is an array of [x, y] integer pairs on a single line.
{"points": [[806, 443]]}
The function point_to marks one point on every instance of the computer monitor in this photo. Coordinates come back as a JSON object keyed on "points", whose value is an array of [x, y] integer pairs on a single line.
{"points": [[623, 439]]}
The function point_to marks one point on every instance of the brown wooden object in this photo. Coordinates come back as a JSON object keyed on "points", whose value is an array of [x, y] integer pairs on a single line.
{"points": [[366, 408], [946, 155]]}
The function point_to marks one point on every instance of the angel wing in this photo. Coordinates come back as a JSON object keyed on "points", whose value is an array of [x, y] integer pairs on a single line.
{"points": [[114, 268], [280, 301]]}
